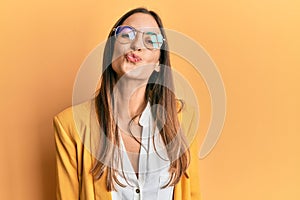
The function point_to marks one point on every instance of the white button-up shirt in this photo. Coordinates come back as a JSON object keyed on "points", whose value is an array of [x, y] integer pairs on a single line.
{"points": [[153, 167]]}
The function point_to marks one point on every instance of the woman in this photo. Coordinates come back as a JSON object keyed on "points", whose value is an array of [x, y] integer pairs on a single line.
{"points": [[128, 143]]}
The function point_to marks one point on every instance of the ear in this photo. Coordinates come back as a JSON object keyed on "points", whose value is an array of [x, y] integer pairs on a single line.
{"points": [[157, 67]]}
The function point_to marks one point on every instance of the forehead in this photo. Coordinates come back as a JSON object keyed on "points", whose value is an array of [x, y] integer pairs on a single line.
{"points": [[140, 20]]}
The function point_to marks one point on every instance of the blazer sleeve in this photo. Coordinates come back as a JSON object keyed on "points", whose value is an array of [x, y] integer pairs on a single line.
{"points": [[194, 168], [66, 161]]}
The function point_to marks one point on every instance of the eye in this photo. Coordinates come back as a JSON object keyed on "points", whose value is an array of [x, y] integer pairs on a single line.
{"points": [[150, 38], [148, 41], [124, 35], [127, 35]]}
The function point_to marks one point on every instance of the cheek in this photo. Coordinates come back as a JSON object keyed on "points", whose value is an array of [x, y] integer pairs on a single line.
{"points": [[119, 50], [118, 56], [152, 56]]}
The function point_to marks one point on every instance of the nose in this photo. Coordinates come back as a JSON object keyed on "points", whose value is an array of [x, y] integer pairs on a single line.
{"points": [[137, 44]]}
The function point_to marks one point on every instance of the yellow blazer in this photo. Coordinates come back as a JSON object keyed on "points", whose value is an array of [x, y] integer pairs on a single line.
{"points": [[74, 157]]}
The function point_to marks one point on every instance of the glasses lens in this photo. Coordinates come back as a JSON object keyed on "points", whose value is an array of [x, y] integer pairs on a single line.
{"points": [[152, 40], [125, 34]]}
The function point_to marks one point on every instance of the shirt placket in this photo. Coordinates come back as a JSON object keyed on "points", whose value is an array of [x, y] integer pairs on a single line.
{"points": [[143, 159]]}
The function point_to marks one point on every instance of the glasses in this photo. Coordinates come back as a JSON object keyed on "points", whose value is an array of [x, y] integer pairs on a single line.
{"points": [[127, 34]]}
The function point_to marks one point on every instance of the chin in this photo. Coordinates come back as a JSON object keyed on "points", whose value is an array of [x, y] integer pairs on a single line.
{"points": [[138, 73]]}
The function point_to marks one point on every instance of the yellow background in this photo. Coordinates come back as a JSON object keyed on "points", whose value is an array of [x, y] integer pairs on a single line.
{"points": [[255, 44]]}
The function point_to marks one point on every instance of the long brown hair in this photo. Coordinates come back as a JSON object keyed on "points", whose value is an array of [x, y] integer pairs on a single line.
{"points": [[159, 90]]}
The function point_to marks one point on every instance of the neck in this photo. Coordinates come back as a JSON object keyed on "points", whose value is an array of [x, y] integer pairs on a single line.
{"points": [[129, 100]]}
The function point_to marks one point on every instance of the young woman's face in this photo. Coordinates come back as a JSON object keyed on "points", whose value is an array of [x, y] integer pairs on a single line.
{"points": [[134, 59]]}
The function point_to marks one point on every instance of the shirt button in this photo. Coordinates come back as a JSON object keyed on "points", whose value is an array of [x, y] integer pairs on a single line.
{"points": [[137, 190]]}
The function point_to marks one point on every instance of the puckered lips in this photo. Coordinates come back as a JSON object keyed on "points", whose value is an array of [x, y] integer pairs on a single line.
{"points": [[131, 57]]}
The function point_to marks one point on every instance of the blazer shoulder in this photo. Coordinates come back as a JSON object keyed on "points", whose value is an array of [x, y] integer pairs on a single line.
{"points": [[74, 114]]}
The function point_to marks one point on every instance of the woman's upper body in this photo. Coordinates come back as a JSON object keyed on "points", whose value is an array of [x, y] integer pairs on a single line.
{"points": [[128, 142]]}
